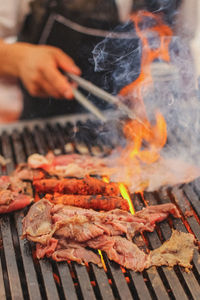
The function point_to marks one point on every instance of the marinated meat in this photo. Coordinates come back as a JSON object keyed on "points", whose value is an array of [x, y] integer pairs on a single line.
{"points": [[96, 202], [85, 186], [176, 251], [12, 194]]}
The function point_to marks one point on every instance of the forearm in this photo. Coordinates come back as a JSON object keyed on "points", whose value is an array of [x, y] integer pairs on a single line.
{"points": [[10, 57]]}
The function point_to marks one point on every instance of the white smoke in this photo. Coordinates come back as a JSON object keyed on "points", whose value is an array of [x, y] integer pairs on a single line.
{"points": [[173, 93]]}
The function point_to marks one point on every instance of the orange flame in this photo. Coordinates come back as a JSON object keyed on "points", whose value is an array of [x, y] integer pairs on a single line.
{"points": [[154, 137], [125, 195], [102, 260], [148, 54], [105, 179], [145, 140]]}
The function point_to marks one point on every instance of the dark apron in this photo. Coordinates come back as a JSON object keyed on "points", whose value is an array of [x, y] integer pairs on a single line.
{"points": [[106, 73]]}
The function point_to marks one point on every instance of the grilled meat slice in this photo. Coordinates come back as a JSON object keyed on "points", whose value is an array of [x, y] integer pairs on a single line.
{"points": [[46, 250], [64, 250], [178, 250], [12, 195], [38, 225], [96, 202], [12, 183], [64, 233], [76, 165], [157, 213], [11, 201], [85, 186], [76, 252], [45, 220], [24, 172], [122, 251]]}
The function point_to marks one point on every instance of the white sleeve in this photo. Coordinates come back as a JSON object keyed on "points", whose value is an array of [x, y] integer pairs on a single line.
{"points": [[12, 15]]}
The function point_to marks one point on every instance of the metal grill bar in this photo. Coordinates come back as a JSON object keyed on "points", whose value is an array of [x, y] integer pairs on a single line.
{"points": [[83, 278], [22, 276]]}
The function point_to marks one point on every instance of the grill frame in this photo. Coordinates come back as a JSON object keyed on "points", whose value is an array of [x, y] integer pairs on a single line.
{"points": [[22, 276]]}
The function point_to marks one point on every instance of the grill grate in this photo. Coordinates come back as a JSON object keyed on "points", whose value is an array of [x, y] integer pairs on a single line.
{"points": [[22, 276]]}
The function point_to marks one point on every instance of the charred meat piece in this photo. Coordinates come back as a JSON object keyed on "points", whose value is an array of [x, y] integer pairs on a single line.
{"points": [[12, 194], [85, 186], [96, 202]]}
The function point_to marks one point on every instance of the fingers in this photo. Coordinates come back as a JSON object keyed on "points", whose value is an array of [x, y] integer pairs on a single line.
{"points": [[41, 74], [56, 84], [66, 63]]}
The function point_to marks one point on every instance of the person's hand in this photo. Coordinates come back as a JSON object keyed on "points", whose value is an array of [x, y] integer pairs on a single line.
{"points": [[38, 66], [39, 71]]}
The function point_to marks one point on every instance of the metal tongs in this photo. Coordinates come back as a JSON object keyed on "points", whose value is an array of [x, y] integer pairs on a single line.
{"points": [[90, 87]]}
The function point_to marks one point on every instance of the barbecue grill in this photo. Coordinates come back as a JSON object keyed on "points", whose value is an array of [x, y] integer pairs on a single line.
{"points": [[22, 276]]}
